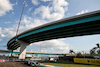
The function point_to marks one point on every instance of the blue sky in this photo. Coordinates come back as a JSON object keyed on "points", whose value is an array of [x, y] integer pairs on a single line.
{"points": [[39, 12]]}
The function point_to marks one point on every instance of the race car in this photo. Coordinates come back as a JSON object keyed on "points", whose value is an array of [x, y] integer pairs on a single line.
{"points": [[38, 64], [26, 61], [30, 61]]}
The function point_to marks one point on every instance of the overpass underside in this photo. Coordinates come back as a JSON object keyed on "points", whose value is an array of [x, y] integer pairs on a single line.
{"points": [[85, 24], [87, 28]]}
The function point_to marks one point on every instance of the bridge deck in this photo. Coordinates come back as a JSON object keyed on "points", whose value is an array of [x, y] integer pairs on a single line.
{"points": [[86, 24]]}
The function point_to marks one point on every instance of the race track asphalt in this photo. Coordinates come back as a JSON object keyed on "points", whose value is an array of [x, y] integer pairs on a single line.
{"points": [[13, 64]]}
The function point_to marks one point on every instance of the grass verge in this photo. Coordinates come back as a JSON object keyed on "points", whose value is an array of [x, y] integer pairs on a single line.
{"points": [[67, 64]]}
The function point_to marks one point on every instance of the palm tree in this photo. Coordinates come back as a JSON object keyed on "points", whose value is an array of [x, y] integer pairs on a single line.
{"points": [[95, 50], [71, 51], [92, 51]]}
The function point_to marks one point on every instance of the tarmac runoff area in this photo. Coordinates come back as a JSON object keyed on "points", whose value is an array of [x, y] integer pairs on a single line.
{"points": [[13, 64], [20, 64]]}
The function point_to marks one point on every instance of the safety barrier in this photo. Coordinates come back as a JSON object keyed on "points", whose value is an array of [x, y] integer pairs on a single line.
{"points": [[2, 60], [15, 60], [87, 61]]}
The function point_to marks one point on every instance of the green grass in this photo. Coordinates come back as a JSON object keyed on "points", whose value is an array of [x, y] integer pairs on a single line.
{"points": [[68, 64]]}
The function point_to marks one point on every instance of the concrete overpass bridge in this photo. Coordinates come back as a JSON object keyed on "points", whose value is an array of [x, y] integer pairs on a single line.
{"points": [[85, 24], [31, 53]]}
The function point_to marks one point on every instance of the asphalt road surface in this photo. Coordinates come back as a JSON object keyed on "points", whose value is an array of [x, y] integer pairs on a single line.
{"points": [[13, 64]]}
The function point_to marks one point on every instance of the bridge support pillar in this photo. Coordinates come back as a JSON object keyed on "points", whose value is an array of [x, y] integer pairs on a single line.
{"points": [[23, 46], [9, 54]]}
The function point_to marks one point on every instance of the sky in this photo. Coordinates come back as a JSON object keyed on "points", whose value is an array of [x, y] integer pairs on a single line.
{"points": [[39, 12]]}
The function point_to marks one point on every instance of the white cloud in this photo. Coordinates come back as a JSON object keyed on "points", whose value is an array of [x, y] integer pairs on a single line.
{"points": [[53, 45], [7, 22], [43, 11], [26, 5], [1, 33], [35, 2], [31, 50], [27, 23], [0, 30], [82, 12], [54, 12], [16, 3], [46, 0], [68, 13], [5, 8], [13, 13], [9, 32], [30, 9]]}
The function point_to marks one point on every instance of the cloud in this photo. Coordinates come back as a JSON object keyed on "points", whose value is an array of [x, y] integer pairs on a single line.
{"points": [[16, 2], [49, 13], [5, 6], [1, 34], [82, 12], [53, 45], [31, 22], [13, 13], [27, 23], [35, 2], [0, 29], [46, 0], [9, 32], [7, 22], [30, 9], [68, 13], [55, 11]]}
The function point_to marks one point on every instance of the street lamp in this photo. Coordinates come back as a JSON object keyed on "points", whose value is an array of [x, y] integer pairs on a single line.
{"points": [[83, 54]]}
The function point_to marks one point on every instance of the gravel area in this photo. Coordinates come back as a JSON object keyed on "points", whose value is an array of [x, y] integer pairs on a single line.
{"points": [[14, 64]]}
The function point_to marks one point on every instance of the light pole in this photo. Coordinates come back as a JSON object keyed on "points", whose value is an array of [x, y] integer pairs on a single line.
{"points": [[83, 54], [40, 51]]}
